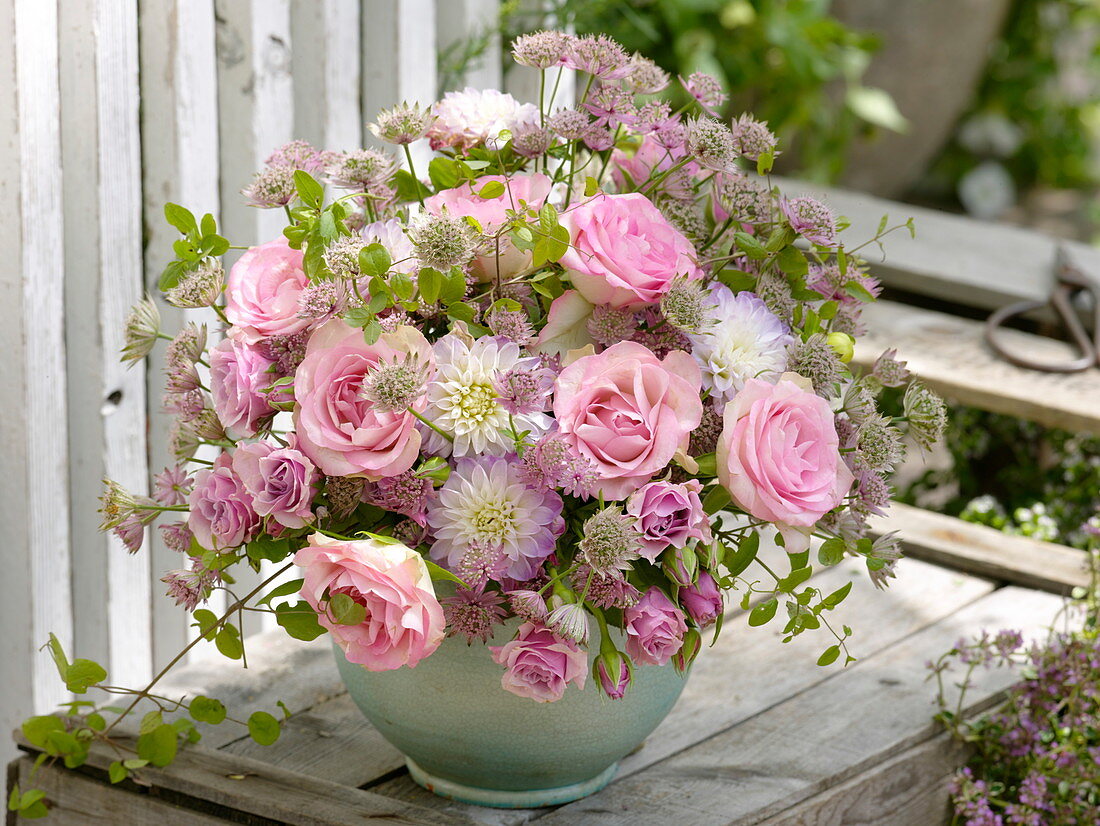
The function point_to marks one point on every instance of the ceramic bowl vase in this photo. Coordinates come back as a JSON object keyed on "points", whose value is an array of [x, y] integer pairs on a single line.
{"points": [[467, 739]]}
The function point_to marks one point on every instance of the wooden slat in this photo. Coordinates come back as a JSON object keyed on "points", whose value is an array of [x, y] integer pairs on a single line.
{"points": [[814, 740], [399, 38], [985, 551], [36, 595], [458, 20], [101, 154], [907, 790], [740, 676], [959, 259], [179, 117], [325, 36], [75, 800], [949, 353], [208, 780]]}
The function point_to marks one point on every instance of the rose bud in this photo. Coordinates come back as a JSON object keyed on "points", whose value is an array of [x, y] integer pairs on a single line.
{"points": [[702, 600], [683, 658], [682, 566], [613, 673], [710, 554]]}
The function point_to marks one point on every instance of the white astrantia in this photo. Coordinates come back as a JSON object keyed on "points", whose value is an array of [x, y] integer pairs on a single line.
{"points": [[462, 399], [746, 340]]}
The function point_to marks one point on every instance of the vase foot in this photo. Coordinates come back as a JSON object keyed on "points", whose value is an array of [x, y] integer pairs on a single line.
{"points": [[504, 799]]}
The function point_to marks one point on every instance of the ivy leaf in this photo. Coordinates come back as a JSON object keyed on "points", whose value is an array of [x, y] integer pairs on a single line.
{"points": [[206, 621], [37, 729], [836, 597], [750, 246], [372, 331], [557, 243], [117, 772], [158, 746], [716, 499], [763, 613], [792, 261], [591, 186], [430, 282], [454, 287], [794, 579], [263, 728], [857, 290], [82, 674], [266, 547], [286, 589], [207, 710], [444, 173], [438, 572], [228, 642], [408, 187]]}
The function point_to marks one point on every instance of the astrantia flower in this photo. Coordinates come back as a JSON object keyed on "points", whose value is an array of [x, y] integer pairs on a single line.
{"points": [[609, 541], [753, 138], [342, 256], [529, 605], [367, 170], [810, 218], [570, 622], [343, 494], [187, 346], [190, 587], [827, 280], [172, 485], [604, 591], [177, 536], [611, 106], [273, 186], [540, 50], [525, 390], [443, 241], [514, 325], [889, 371], [553, 463], [395, 384], [141, 330], [598, 138], [685, 306], [286, 352], [322, 300], [816, 359], [406, 493], [646, 77], [598, 55], [775, 291], [485, 501], [463, 402], [477, 116], [402, 124], [298, 154], [711, 143], [744, 199], [608, 325], [926, 412], [879, 444], [706, 90], [473, 614], [745, 341], [530, 141], [571, 124], [199, 287]]}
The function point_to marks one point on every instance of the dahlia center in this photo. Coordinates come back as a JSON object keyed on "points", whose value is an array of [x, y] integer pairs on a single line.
{"points": [[476, 401], [493, 519]]}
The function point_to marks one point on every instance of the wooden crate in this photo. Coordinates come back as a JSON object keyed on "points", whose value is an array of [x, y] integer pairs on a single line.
{"points": [[761, 734]]}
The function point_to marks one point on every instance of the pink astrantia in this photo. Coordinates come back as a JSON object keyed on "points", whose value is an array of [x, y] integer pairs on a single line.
{"points": [[779, 457], [628, 413], [404, 621], [540, 665]]}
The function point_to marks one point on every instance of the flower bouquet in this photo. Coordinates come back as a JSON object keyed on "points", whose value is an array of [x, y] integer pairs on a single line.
{"points": [[532, 405]]}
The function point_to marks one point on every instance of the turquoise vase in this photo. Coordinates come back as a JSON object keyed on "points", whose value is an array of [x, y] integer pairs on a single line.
{"points": [[466, 738]]}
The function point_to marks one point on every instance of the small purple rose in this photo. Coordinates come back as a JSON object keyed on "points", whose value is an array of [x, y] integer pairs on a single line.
{"points": [[282, 482], [239, 378], [703, 600], [655, 628], [222, 514], [668, 515]]}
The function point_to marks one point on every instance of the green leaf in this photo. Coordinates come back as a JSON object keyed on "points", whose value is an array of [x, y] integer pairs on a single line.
{"points": [[372, 331], [829, 655], [764, 162], [263, 728], [207, 710], [150, 721], [345, 611], [877, 107], [737, 280], [408, 187], [857, 290], [716, 499], [208, 226], [794, 579], [461, 311], [359, 316], [374, 260], [454, 287], [181, 218], [444, 173], [831, 551], [557, 244], [37, 729], [792, 261], [135, 763], [117, 772], [842, 261], [286, 589], [228, 642], [430, 282], [95, 721], [493, 189], [836, 597], [763, 613], [402, 285], [737, 561], [299, 621], [158, 746], [750, 246], [266, 547], [591, 186], [311, 192], [438, 572]]}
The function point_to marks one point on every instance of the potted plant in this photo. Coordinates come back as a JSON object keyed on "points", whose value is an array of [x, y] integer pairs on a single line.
{"points": [[481, 418]]}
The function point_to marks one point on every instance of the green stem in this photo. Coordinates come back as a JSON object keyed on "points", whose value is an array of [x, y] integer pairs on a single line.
{"points": [[412, 171], [424, 421]]}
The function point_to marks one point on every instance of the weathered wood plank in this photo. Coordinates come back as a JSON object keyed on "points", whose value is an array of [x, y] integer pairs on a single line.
{"points": [[726, 685], [742, 775], [327, 57], [907, 790], [977, 549], [458, 20], [75, 800], [179, 123], [950, 354], [36, 597], [201, 777], [978, 263]]}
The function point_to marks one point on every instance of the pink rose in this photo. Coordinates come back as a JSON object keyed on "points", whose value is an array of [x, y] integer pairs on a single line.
{"points": [[539, 665], [344, 434], [779, 458], [655, 628], [282, 482], [630, 172], [702, 600], [492, 214], [262, 292], [222, 515], [628, 412], [240, 375], [624, 252], [668, 516], [404, 622]]}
